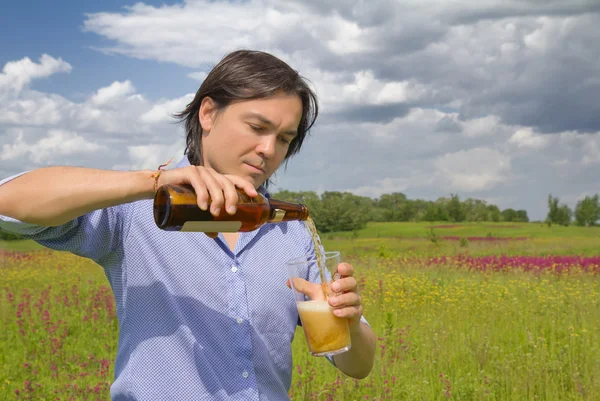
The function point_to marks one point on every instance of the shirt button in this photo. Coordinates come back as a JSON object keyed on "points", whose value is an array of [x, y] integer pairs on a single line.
{"points": [[245, 374], [239, 320], [233, 269]]}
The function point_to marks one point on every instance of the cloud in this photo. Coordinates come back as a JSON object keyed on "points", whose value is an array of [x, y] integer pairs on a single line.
{"points": [[520, 62], [114, 92], [198, 75], [18, 74], [163, 112], [50, 149], [473, 169], [38, 128], [151, 156], [525, 138], [491, 99]]}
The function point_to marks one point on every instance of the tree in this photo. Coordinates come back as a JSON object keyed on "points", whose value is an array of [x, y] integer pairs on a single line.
{"points": [[455, 209], [564, 215], [493, 213], [435, 212], [509, 215], [342, 211], [521, 216], [552, 216], [395, 206], [587, 211], [475, 210], [558, 214]]}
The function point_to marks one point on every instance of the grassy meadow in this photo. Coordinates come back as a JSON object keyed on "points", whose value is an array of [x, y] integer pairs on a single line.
{"points": [[478, 311]]}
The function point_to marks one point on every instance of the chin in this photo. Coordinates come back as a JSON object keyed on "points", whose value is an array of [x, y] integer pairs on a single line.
{"points": [[255, 181]]}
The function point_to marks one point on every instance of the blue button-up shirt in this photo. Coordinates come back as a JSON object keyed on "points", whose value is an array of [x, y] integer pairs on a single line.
{"points": [[197, 321]]}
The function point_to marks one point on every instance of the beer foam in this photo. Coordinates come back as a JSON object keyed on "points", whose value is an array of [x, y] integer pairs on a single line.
{"points": [[314, 306]]}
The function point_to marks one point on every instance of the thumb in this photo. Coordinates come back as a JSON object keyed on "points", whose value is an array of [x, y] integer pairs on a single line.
{"points": [[312, 290]]}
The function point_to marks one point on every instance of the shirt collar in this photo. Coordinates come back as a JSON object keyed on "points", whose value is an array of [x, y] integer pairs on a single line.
{"points": [[185, 162]]}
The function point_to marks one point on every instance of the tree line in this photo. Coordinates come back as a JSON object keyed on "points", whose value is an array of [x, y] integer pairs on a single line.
{"points": [[344, 211]]}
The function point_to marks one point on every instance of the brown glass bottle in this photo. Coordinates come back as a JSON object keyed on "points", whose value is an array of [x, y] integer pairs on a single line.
{"points": [[176, 209]]}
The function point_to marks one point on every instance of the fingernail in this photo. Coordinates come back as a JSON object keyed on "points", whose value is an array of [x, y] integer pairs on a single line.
{"points": [[231, 209], [333, 301], [335, 287], [203, 206], [217, 211]]}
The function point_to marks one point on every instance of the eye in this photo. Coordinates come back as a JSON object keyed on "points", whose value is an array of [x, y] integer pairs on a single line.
{"points": [[257, 128], [284, 140]]}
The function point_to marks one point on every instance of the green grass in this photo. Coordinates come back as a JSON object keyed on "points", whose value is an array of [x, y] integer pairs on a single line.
{"points": [[450, 334], [386, 239], [20, 245], [483, 229], [444, 333]]}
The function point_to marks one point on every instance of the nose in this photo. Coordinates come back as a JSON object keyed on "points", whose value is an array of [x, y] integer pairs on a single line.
{"points": [[266, 146]]}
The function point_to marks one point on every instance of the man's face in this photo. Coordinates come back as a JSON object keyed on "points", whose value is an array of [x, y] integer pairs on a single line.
{"points": [[249, 138]]}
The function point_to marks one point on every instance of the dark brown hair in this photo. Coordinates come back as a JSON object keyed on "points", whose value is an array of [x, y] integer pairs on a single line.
{"points": [[245, 75]]}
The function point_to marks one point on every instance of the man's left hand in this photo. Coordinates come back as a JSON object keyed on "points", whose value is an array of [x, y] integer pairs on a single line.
{"points": [[345, 301]]}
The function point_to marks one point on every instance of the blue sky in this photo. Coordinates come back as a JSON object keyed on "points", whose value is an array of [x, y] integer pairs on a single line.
{"points": [[496, 100], [30, 28]]}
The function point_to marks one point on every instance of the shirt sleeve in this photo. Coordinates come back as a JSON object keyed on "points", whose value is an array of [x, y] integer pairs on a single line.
{"points": [[95, 235]]}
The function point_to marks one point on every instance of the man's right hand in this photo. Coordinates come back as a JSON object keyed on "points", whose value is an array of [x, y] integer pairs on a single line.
{"points": [[221, 188]]}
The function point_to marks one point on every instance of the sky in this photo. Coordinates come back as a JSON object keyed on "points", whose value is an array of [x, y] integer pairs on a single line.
{"points": [[496, 100]]}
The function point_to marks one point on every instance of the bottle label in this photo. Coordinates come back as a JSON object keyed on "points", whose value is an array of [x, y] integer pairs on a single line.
{"points": [[278, 217], [212, 226]]}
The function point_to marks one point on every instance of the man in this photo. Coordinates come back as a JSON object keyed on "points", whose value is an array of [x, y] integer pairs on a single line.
{"points": [[201, 317]]}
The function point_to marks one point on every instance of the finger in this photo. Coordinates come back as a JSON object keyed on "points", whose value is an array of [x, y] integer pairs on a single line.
{"points": [[345, 300], [345, 269], [346, 284], [312, 290], [241, 183], [351, 312], [231, 195], [214, 190], [193, 177]]}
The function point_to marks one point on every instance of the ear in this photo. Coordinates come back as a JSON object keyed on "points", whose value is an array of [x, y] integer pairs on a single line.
{"points": [[207, 113]]}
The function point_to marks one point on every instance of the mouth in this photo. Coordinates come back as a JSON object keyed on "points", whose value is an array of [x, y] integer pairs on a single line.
{"points": [[255, 169]]}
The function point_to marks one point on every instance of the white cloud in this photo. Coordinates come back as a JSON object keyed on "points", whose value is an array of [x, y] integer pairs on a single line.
{"points": [[348, 37], [389, 185], [32, 108], [484, 126], [57, 144], [151, 156], [163, 112], [525, 138], [38, 128], [198, 76], [18, 74], [592, 150], [426, 99], [474, 169], [112, 93]]}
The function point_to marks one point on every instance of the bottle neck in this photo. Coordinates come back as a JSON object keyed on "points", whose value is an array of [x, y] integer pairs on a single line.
{"points": [[286, 211]]}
